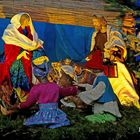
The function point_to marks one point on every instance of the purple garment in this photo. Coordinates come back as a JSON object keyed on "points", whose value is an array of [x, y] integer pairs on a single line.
{"points": [[47, 93], [50, 115]]}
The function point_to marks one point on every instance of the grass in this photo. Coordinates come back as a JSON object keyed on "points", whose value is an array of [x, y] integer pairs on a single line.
{"points": [[80, 129]]}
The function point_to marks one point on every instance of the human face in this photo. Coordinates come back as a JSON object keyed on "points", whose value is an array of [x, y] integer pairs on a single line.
{"points": [[24, 22], [96, 24], [64, 80]]}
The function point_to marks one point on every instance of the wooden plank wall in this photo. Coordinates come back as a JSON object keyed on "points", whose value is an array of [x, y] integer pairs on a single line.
{"points": [[74, 12]]}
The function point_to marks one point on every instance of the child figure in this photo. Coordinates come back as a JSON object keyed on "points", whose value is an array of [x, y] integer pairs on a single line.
{"points": [[101, 97], [46, 94]]}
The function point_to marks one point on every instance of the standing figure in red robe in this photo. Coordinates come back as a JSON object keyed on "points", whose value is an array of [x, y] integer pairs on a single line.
{"points": [[20, 40]]}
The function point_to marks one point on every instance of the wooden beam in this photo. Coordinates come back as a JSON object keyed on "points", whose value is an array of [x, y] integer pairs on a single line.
{"points": [[74, 12]]}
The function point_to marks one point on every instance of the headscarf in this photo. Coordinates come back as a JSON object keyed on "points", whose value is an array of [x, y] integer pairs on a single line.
{"points": [[41, 70], [11, 34], [69, 71]]}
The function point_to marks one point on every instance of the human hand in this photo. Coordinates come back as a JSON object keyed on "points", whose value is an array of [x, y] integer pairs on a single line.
{"points": [[5, 112], [23, 54], [39, 44], [89, 57], [75, 83], [36, 45], [15, 106]]}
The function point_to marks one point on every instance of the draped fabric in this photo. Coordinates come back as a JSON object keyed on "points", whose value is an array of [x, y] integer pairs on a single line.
{"points": [[17, 71], [114, 38], [60, 41], [11, 52], [74, 42], [18, 42], [123, 87], [12, 34]]}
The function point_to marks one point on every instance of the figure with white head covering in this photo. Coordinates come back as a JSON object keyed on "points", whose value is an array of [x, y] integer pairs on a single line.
{"points": [[21, 46]]}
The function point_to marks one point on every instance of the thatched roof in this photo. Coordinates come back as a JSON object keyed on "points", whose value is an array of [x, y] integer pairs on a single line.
{"points": [[75, 12]]}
